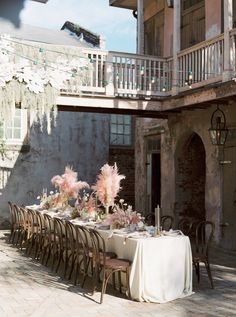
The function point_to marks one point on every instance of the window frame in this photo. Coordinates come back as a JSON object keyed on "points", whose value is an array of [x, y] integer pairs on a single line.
{"points": [[23, 129], [131, 134]]}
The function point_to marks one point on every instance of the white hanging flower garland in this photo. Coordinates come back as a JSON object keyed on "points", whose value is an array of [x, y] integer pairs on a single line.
{"points": [[28, 79]]}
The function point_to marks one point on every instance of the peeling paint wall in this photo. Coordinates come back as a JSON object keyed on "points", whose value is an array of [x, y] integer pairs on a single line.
{"points": [[80, 140]]}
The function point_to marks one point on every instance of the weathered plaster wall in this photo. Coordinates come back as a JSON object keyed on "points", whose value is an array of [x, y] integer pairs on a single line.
{"points": [[80, 140]]}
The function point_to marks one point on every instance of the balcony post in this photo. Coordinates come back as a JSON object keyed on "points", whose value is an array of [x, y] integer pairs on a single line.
{"points": [[176, 47], [109, 75], [228, 24], [140, 28]]}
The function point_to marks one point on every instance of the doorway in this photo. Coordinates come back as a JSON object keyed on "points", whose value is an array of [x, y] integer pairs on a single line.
{"points": [[191, 179], [153, 174]]}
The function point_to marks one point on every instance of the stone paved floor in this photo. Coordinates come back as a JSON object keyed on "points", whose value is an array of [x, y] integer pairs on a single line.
{"points": [[29, 289]]}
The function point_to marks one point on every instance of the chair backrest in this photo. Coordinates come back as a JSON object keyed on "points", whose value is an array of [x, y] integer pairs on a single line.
{"points": [[71, 241], [33, 224], [204, 234], [17, 216], [49, 226], [83, 239], [12, 213], [24, 217], [99, 247], [40, 221], [59, 230], [185, 225], [150, 219], [167, 222]]}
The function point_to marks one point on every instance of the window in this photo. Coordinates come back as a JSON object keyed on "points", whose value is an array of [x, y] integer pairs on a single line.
{"points": [[190, 3], [15, 131], [121, 130]]}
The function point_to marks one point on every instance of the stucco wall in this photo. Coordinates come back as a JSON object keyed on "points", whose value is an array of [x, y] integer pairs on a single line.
{"points": [[80, 140]]}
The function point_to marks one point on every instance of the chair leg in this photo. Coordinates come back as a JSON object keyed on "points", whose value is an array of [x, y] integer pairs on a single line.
{"points": [[127, 283], [197, 269], [119, 278], [76, 273], [209, 273], [104, 285]]}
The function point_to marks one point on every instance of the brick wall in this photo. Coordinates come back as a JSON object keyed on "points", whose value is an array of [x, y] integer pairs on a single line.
{"points": [[191, 179], [124, 159]]}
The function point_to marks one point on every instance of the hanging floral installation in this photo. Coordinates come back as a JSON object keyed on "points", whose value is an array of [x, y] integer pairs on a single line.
{"points": [[33, 77]]}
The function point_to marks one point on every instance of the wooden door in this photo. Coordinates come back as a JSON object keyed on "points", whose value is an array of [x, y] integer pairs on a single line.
{"points": [[154, 34], [192, 22]]}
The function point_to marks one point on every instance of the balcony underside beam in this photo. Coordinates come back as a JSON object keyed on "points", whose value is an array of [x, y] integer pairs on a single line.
{"points": [[142, 108], [220, 93]]}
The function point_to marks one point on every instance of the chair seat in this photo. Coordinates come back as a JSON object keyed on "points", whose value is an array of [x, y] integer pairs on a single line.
{"points": [[199, 258], [117, 264]]}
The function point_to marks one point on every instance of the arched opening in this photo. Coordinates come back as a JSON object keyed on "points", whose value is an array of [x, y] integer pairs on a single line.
{"points": [[190, 179]]}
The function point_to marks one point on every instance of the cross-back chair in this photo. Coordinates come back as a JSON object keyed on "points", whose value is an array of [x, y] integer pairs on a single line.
{"points": [[167, 222], [204, 234], [105, 265]]}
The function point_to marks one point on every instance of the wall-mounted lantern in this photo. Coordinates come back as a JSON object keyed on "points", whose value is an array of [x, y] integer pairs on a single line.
{"points": [[218, 130]]}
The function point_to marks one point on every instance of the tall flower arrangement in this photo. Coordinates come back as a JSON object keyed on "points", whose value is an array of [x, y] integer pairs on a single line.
{"points": [[68, 185], [108, 185]]}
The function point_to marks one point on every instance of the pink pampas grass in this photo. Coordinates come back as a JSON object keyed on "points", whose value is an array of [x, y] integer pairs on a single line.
{"points": [[68, 184], [108, 185]]}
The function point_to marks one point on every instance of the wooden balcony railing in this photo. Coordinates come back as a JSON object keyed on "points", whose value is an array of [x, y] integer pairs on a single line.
{"points": [[131, 75], [202, 62]]}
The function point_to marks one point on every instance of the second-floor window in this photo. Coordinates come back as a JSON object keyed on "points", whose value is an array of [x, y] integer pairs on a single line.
{"points": [[14, 132], [121, 130]]}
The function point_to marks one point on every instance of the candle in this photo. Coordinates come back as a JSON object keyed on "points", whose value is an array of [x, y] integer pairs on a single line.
{"points": [[157, 217]]}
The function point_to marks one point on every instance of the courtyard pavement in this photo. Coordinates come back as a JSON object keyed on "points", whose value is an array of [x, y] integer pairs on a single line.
{"points": [[28, 289]]}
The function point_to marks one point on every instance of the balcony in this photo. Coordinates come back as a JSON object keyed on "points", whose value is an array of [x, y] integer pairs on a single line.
{"points": [[117, 74]]}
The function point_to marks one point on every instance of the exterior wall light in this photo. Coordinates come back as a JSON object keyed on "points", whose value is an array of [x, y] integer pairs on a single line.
{"points": [[218, 130]]}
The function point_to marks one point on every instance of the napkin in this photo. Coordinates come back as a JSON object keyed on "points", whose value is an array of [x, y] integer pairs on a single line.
{"points": [[172, 233]]}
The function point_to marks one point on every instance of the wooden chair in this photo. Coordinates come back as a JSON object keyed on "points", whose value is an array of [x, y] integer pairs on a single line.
{"points": [[150, 219], [185, 225], [32, 232], [59, 242], [167, 222], [83, 254], [105, 265], [48, 246], [16, 225], [204, 234], [13, 222]]}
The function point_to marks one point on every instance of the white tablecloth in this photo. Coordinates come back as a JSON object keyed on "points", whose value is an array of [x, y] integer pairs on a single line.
{"points": [[161, 266], [161, 269]]}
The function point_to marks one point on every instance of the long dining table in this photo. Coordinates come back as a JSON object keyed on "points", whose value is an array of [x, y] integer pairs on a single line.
{"points": [[161, 268]]}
